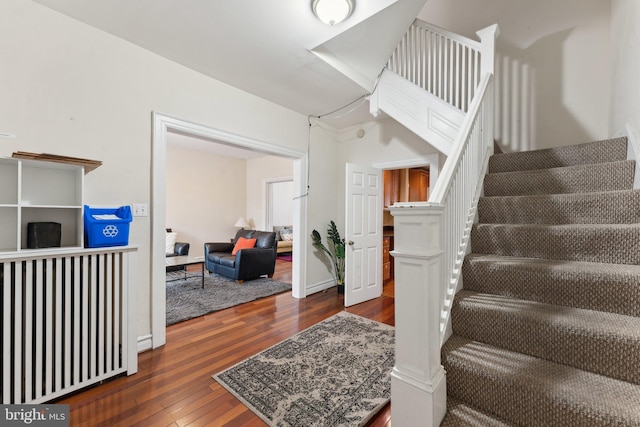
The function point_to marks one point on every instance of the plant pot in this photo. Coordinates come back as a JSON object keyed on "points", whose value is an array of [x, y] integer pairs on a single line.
{"points": [[340, 289]]}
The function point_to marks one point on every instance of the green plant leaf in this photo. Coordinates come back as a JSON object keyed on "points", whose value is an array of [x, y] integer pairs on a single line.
{"points": [[335, 251]]}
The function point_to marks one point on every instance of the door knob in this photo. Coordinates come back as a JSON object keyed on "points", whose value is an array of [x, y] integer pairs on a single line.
{"points": [[350, 242]]}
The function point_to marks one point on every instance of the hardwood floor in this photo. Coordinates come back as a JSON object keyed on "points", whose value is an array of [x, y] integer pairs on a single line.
{"points": [[173, 386]]}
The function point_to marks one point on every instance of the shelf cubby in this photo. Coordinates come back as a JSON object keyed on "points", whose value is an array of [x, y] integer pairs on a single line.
{"points": [[40, 191]]}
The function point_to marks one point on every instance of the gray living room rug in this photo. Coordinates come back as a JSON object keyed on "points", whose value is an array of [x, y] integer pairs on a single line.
{"points": [[186, 299], [335, 373]]}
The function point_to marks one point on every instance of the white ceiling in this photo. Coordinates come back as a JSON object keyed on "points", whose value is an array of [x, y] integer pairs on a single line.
{"points": [[275, 49]]}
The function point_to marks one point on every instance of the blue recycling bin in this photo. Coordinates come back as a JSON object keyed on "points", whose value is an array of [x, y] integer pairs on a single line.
{"points": [[104, 227]]}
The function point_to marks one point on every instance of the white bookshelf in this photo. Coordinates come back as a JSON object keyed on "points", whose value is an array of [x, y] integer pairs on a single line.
{"points": [[39, 191]]}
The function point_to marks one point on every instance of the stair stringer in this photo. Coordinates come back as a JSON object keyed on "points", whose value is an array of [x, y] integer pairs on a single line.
{"points": [[426, 115]]}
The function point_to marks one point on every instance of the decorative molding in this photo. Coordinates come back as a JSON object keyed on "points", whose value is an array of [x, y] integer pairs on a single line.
{"points": [[430, 160], [434, 120], [145, 342], [420, 404], [320, 286], [416, 255]]}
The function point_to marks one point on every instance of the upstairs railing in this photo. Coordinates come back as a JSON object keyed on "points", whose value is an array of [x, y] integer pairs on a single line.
{"points": [[444, 64]]}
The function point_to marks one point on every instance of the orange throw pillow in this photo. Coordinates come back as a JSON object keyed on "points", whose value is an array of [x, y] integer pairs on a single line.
{"points": [[243, 243]]}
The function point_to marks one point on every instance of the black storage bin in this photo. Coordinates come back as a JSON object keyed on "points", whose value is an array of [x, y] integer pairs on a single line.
{"points": [[43, 235]]}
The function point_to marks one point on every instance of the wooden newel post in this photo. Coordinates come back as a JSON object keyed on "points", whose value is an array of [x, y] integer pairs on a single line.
{"points": [[418, 386]]}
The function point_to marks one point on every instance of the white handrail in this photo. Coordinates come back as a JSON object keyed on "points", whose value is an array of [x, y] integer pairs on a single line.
{"points": [[451, 167]]}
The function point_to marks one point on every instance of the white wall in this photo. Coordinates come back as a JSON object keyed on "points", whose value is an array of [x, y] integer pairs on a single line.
{"points": [[384, 141], [69, 89], [325, 198], [260, 170], [625, 52], [552, 66], [197, 209]]}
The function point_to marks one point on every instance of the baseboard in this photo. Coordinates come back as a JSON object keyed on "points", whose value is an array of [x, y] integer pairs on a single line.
{"points": [[633, 147], [633, 139], [145, 343], [319, 287]]}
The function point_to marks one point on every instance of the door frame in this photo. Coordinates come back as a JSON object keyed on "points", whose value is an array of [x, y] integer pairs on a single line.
{"points": [[431, 160], [161, 125]]}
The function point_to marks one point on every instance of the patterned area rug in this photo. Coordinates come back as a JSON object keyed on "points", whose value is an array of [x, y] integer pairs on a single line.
{"points": [[335, 373], [186, 299]]}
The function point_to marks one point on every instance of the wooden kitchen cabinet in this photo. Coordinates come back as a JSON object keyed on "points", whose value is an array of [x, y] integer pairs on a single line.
{"points": [[418, 185], [387, 262], [391, 180]]}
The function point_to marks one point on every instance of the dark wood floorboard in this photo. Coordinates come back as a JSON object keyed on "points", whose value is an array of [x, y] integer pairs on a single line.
{"points": [[173, 386]]}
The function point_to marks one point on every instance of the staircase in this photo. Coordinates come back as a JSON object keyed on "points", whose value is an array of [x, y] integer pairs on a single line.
{"points": [[546, 331]]}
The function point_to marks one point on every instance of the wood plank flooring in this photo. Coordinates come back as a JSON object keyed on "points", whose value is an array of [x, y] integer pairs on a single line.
{"points": [[173, 386]]}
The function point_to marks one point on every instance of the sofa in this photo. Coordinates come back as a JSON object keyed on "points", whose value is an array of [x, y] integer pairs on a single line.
{"points": [[254, 255], [173, 248], [284, 234]]}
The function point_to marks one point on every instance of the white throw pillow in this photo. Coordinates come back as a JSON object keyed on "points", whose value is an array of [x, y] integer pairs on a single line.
{"points": [[170, 242], [286, 234]]}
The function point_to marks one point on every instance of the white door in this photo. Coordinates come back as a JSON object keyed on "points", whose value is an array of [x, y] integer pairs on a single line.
{"points": [[363, 234]]}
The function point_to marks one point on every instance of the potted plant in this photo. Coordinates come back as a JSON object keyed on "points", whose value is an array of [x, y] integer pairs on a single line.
{"points": [[335, 251]]}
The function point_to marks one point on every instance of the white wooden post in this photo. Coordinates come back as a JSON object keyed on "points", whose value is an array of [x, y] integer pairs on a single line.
{"points": [[418, 386], [488, 38]]}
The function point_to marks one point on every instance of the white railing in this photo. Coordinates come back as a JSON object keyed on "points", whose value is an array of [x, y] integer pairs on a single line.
{"points": [[455, 195], [431, 238], [444, 64], [66, 320]]}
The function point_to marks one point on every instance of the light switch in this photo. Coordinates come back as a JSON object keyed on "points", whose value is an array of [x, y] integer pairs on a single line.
{"points": [[140, 209]]}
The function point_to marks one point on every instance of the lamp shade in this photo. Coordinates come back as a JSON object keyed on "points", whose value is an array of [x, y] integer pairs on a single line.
{"points": [[332, 12], [242, 223]]}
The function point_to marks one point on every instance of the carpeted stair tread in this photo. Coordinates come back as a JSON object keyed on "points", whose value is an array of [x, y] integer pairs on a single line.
{"points": [[589, 285], [571, 179], [460, 414], [617, 243], [610, 207], [546, 331], [530, 391], [609, 150], [596, 341]]}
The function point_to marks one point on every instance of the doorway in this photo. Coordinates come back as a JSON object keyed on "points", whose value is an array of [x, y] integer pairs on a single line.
{"points": [[398, 177], [163, 124], [279, 202]]}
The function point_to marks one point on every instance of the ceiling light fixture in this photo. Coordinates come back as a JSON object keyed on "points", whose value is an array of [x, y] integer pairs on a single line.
{"points": [[332, 12]]}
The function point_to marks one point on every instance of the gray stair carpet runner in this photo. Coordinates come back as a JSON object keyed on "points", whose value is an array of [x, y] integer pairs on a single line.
{"points": [[546, 331]]}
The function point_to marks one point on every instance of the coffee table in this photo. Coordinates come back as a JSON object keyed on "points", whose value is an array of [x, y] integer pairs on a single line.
{"points": [[184, 261]]}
